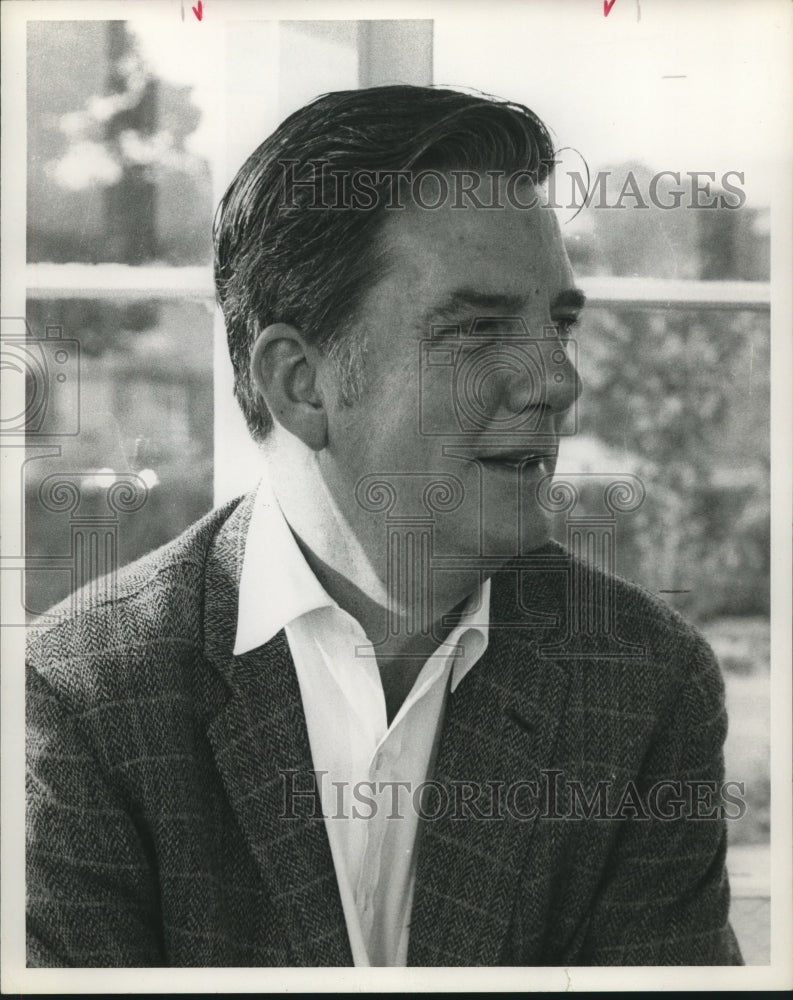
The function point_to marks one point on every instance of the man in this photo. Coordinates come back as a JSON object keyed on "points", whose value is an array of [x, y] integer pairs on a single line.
{"points": [[353, 718]]}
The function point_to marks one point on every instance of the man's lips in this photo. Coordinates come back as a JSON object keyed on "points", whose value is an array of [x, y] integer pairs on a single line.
{"points": [[519, 459]]}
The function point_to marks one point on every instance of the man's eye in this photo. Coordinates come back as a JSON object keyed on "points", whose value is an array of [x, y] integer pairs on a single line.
{"points": [[565, 325]]}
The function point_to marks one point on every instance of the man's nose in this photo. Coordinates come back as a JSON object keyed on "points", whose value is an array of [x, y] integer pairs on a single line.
{"points": [[551, 384]]}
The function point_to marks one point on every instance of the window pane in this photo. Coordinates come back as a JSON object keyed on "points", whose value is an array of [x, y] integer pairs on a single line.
{"points": [[645, 240], [140, 417], [681, 399], [113, 175], [653, 121]]}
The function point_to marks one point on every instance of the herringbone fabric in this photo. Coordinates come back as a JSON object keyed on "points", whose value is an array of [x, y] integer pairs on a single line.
{"points": [[156, 762]]}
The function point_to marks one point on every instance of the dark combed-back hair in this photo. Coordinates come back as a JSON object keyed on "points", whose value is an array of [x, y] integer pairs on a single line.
{"points": [[279, 260]]}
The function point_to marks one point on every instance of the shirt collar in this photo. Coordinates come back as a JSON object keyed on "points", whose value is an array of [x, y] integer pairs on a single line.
{"points": [[278, 586], [474, 625]]}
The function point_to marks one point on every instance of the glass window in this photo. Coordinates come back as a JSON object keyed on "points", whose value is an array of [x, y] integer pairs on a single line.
{"points": [[120, 382], [680, 398], [134, 408], [112, 173]]}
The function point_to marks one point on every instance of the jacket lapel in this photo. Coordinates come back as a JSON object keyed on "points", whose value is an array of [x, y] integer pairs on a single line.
{"points": [[498, 734], [261, 747]]}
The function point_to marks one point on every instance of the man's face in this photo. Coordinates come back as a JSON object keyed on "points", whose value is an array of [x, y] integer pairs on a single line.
{"points": [[480, 410]]}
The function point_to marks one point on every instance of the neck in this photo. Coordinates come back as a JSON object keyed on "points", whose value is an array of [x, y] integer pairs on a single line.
{"points": [[399, 626]]}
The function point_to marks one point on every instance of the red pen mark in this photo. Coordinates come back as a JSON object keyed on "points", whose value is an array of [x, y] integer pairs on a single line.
{"points": [[199, 10], [606, 6]]}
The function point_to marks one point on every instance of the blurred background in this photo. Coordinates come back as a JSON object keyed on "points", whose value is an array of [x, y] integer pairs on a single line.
{"points": [[130, 152]]}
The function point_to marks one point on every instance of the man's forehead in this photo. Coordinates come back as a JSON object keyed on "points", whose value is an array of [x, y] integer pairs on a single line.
{"points": [[504, 233], [503, 257]]}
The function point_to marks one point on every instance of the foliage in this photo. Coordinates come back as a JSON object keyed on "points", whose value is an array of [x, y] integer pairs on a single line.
{"points": [[683, 396]]}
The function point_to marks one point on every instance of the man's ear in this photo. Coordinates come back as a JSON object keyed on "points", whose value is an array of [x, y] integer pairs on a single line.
{"points": [[284, 371]]}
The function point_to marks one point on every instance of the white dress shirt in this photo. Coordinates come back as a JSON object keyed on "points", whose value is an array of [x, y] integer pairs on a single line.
{"points": [[358, 758]]}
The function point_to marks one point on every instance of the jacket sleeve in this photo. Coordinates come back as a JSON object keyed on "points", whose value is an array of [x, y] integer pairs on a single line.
{"points": [[91, 891], [664, 898]]}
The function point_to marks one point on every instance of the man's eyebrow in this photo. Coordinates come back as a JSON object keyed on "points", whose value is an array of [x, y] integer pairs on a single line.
{"points": [[451, 306], [570, 298]]}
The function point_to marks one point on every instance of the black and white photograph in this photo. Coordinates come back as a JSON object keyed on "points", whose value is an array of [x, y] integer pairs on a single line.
{"points": [[396, 496]]}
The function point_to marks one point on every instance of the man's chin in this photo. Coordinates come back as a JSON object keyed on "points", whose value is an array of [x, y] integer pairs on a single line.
{"points": [[533, 535]]}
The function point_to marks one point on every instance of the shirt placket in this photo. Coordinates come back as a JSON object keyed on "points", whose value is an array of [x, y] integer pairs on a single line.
{"points": [[381, 771]]}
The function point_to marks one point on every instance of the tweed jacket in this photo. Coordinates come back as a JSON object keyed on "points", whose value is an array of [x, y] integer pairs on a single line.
{"points": [[156, 821]]}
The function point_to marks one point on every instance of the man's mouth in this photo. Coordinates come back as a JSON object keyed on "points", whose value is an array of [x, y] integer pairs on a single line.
{"points": [[521, 460]]}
